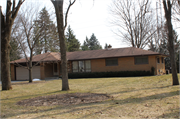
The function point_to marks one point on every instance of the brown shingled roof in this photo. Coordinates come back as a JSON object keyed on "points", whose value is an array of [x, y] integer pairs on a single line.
{"points": [[50, 56], [92, 54]]}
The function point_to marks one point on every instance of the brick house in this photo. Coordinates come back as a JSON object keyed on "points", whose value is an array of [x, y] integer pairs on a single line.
{"points": [[117, 59]]}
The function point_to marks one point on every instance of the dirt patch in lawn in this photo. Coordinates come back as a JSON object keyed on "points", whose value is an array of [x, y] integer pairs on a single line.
{"points": [[65, 99]]}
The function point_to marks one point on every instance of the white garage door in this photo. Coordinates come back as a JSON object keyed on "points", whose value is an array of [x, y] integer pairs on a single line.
{"points": [[23, 74]]}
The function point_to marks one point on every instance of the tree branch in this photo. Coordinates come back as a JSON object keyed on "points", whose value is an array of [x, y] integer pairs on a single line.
{"points": [[8, 11], [41, 60], [165, 8], [70, 4], [23, 49], [14, 3], [17, 64], [2, 21], [15, 11]]}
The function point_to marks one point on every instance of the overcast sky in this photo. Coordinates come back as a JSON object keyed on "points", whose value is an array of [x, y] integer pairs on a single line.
{"points": [[87, 17]]}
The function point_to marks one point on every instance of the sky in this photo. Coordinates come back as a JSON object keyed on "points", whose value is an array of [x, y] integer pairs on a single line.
{"points": [[89, 17], [86, 17]]}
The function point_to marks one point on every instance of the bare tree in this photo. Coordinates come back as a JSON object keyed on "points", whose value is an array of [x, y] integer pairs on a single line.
{"points": [[168, 10], [26, 36], [176, 10], [158, 39], [15, 51], [134, 20], [58, 5], [7, 21]]}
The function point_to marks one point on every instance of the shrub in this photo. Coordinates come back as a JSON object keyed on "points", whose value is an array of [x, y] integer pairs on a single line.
{"points": [[109, 74], [152, 70]]}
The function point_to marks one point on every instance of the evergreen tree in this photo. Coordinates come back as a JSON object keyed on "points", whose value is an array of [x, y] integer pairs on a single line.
{"points": [[53, 42], [106, 46], [71, 42], [91, 44], [94, 43], [49, 39], [39, 43], [85, 45]]}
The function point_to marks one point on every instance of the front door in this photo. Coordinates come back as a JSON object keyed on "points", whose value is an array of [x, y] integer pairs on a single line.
{"points": [[55, 69]]}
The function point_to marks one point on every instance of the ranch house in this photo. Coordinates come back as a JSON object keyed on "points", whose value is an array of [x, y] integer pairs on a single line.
{"points": [[105, 60]]}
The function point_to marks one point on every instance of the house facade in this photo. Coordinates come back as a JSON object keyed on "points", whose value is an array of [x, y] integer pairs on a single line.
{"points": [[119, 59]]}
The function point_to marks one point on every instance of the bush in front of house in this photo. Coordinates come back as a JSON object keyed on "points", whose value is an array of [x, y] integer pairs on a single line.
{"points": [[109, 74]]}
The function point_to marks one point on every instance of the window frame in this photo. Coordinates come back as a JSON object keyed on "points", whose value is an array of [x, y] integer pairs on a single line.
{"points": [[110, 59], [73, 67], [141, 58], [162, 60], [158, 60], [78, 64], [85, 67]]}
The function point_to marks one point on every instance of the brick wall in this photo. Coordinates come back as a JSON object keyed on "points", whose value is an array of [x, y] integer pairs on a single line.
{"points": [[160, 67], [124, 64], [48, 69]]}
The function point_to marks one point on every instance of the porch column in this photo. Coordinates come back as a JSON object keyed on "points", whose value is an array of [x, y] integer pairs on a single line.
{"points": [[42, 70]]}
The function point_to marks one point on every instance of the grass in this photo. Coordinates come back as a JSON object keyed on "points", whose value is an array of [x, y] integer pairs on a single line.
{"points": [[135, 97]]}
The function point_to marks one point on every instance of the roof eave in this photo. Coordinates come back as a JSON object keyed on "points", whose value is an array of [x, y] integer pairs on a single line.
{"points": [[116, 57]]}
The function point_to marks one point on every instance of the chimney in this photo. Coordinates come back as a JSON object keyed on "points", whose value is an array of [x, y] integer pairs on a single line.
{"points": [[109, 46]]}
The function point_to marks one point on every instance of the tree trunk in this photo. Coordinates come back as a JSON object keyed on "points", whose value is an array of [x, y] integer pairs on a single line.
{"points": [[30, 71], [172, 53], [5, 49], [60, 23], [6, 26], [171, 41], [5, 67], [30, 65], [30, 75]]}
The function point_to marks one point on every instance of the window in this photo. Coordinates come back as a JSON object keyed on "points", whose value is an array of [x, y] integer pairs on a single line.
{"points": [[88, 65], [162, 60], [112, 62], [75, 66], [141, 60], [158, 60], [55, 67], [81, 66]]}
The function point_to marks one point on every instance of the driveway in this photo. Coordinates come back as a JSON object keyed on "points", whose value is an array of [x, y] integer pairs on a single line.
{"points": [[23, 81]]}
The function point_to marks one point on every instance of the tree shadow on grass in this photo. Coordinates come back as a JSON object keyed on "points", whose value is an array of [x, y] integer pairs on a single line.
{"points": [[36, 95], [132, 90], [174, 114], [146, 98], [110, 103], [140, 100]]}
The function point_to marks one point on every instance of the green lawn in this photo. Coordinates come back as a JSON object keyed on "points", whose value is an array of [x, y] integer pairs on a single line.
{"points": [[134, 97]]}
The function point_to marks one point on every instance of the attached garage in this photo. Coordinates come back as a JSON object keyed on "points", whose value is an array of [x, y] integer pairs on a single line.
{"points": [[23, 74]]}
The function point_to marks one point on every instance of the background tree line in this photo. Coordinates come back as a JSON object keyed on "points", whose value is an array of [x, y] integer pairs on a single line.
{"points": [[48, 40], [141, 26]]}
